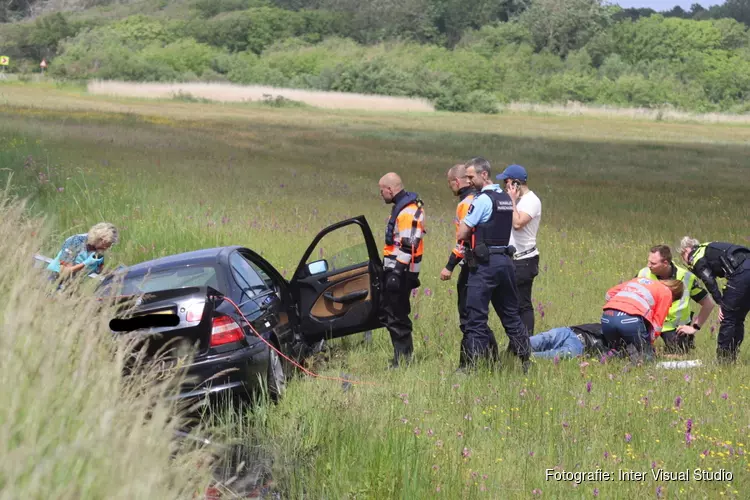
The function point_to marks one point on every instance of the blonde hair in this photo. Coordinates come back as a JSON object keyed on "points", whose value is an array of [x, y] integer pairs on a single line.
{"points": [[676, 287], [104, 232], [688, 242]]}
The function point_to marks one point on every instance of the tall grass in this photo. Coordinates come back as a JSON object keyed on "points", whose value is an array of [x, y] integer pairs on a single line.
{"points": [[70, 426], [174, 179]]}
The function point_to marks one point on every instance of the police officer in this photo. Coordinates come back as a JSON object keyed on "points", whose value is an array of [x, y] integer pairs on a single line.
{"points": [[723, 260], [492, 276], [465, 191], [678, 332], [402, 259]]}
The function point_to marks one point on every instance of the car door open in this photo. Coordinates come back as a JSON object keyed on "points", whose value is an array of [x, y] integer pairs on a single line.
{"points": [[337, 283]]}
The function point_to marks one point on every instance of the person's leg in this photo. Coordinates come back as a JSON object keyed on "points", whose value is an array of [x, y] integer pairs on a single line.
{"points": [[395, 312], [561, 342], [463, 279], [611, 330], [476, 338], [526, 271], [637, 337], [735, 305], [505, 303]]}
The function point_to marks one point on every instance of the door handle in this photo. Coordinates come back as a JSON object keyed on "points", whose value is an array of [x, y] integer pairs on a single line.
{"points": [[349, 297]]}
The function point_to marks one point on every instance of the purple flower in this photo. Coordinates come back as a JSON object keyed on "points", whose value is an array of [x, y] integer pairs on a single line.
{"points": [[689, 424], [417, 431], [427, 292], [588, 386], [724, 395], [628, 437], [596, 492], [677, 402], [659, 492], [688, 438], [556, 360], [687, 378]]}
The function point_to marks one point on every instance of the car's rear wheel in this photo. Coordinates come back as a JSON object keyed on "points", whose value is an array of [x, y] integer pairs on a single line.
{"points": [[276, 378]]}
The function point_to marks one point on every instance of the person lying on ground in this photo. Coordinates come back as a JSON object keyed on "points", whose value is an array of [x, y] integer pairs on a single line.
{"points": [[570, 342]]}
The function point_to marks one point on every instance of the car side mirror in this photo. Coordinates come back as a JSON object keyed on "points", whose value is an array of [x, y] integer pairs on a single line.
{"points": [[317, 267]]}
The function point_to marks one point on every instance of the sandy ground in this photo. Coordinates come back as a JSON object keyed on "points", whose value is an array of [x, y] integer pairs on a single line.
{"points": [[223, 92]]}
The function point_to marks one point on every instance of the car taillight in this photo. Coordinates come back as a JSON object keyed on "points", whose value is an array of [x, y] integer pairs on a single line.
{"points": [[195, 312], [225, 330]]}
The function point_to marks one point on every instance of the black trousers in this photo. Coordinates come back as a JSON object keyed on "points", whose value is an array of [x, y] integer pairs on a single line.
{"points": [[735, 304], [394, 315], [526, 271], [677, 344], [493, 283]]}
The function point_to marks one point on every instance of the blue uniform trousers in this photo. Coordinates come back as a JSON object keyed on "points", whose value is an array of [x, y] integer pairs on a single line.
{"points": [[493, 282], [735, 304]]}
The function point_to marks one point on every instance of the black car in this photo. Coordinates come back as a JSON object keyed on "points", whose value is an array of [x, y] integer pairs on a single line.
{"points": [[181, 301]]}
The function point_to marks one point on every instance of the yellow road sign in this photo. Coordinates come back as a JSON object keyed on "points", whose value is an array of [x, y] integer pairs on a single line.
{"points": [[4, 60]]}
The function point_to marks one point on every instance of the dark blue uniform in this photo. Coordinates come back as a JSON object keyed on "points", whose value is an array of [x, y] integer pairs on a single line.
{"points": [[725, 260], [492, 280]]}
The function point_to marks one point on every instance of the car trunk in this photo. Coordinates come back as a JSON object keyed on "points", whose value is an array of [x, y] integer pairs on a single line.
{"points": [[167, 323]]}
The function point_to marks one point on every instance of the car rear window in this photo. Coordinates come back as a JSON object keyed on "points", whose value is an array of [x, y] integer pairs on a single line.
{"points": [[167, 279]]}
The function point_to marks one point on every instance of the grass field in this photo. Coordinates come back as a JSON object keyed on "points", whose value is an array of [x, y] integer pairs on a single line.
{"points": [[176, 176]]}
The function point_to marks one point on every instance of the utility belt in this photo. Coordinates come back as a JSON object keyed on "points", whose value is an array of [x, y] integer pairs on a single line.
{"points": [[525, 252], [732, 262], [481, 254]]}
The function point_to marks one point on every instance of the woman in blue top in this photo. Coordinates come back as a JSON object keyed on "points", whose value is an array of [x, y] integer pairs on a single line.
{"points": [[84, 252]]}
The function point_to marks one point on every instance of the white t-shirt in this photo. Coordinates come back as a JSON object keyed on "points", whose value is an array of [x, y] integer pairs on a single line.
{"points": [[525, 238]]}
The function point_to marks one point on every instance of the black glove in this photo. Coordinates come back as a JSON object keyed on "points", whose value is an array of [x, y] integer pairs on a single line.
{"points": [[393, 282]]}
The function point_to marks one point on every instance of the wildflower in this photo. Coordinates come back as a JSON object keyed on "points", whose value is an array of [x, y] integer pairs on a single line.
{"points": [[724, 395], [417, 431], [556, 360], [659, 492], [430, 432], [596, 492], [536, 491], [687, 378], [427, 292], [588, 386], [688, 438], [404, 420], [466, 453], [689, 425], [565, 425], [653, 464], [677, 402], [628, 437], [531, 453]]}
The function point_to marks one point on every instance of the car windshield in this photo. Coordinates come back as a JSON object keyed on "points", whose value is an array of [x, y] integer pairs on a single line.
{"points": [[165, 279]]}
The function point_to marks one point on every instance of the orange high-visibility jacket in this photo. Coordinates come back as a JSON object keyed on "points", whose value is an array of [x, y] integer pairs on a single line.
{"points": [[408, 240], [641, 297], [461, 210]]}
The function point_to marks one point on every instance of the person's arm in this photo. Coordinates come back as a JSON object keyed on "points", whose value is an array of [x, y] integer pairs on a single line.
{"points": [[473, 216], [458, 250], [407, 238], [707, 306], [702, 270]]}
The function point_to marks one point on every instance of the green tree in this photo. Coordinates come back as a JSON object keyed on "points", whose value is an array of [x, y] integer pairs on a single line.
{"points": [[564, 25]]}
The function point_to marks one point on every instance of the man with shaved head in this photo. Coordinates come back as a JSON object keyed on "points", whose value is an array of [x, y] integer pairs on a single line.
{"points": [[458, 182], [402, 259]]}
